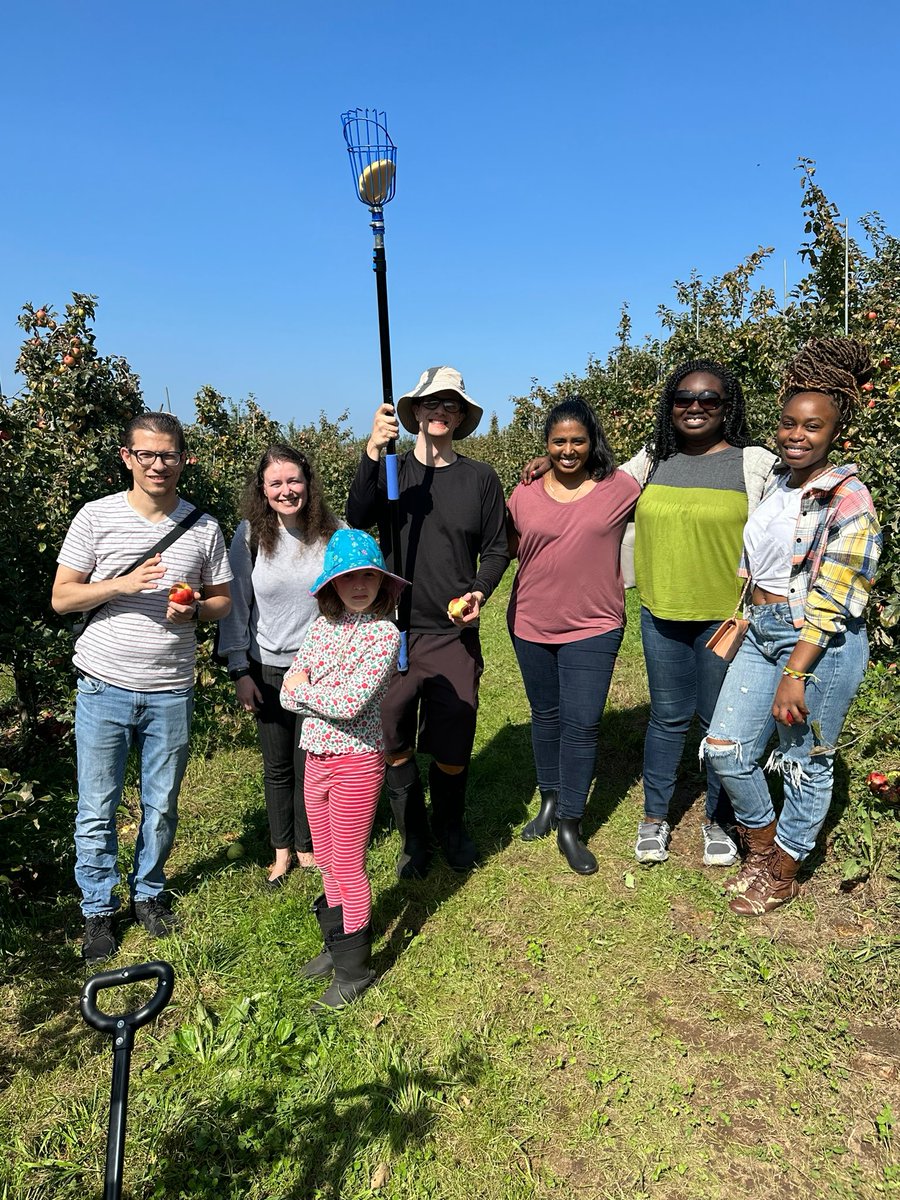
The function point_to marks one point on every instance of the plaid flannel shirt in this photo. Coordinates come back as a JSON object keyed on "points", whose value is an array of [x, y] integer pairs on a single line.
{"points": [[837, 544]]}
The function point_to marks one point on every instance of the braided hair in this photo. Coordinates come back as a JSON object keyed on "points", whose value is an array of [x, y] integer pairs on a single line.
{"points": [[664, 442], [600, 461], [835, 366]]}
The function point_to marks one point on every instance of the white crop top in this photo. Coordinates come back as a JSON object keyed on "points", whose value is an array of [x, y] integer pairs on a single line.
{"points": [[769, 538]]}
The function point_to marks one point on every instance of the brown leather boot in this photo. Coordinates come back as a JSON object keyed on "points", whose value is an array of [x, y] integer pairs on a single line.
{"points": [[774, 885], [756, 843]]}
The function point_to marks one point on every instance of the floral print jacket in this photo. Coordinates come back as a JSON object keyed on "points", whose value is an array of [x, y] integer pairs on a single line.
{"points": [[349, 663]]}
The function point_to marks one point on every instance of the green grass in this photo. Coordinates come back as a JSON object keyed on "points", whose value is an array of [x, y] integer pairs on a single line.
{"points": [[532, 1033]]}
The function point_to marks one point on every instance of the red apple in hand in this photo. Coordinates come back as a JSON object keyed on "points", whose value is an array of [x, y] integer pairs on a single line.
{"points": [[181, 593], [457, 607]]}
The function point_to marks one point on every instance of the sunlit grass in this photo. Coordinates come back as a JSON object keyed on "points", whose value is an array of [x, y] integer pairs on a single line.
{"points": [[531, 1033]]}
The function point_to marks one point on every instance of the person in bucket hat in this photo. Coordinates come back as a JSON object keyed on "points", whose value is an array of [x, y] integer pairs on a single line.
{"points": [[453, 548], [337, 680], [354, 550]]}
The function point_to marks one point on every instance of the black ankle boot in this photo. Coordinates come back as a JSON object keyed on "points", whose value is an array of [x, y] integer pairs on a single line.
{"points": [[330, 919], [404, 789], [573, 849], [448, 801], [352, 955], [545, 821]]}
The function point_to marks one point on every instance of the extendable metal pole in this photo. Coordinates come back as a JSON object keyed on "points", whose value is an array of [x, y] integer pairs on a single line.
{"points": [[379, 263]]}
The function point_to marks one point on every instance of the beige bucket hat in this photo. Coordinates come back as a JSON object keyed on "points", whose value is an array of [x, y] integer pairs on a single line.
{"points": [[440, 381]]}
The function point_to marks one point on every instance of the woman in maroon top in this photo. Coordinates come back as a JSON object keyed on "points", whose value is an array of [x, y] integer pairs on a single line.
{"points": [[567, 612]]}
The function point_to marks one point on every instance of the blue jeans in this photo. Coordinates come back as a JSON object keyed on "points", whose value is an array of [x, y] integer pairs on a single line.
{"points": [[684, 678], [743, 718], [108, 720], [567, 684]]}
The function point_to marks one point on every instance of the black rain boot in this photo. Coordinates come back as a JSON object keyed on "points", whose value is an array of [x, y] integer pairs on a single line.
{"points": [[545, 821], [404, 789], [573, 849], [330, 919], [352, 956], [448, 802]]}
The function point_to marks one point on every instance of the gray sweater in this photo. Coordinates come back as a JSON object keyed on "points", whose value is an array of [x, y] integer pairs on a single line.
{"points": [[271, 608]]}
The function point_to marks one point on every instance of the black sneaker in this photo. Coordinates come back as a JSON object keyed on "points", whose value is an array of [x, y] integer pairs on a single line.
{"points": [[99, 942], [155, 916]]}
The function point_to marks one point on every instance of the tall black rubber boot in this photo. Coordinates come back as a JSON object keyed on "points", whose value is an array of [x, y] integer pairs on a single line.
{"points": [[407, 797], [448, 802], [573, 849], [352, 957], [330, 919], [545, 821]]}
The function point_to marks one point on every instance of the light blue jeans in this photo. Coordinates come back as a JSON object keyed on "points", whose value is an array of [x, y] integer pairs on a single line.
{"points": [[108, 721], [743, 717]]}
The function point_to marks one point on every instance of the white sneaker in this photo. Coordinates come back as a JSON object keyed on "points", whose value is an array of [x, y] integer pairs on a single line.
{"points": [[719, 848], [652, 841]]}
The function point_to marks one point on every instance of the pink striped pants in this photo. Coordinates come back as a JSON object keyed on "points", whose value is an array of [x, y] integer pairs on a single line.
{"points": [[341, 792]]}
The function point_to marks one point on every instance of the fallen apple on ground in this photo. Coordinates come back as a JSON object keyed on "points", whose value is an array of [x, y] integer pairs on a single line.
{"points": [[181, 593], [457, 607]]}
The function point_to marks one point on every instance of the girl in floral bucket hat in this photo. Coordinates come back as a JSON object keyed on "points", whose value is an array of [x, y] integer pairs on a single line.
{"points": [[337, 680]]}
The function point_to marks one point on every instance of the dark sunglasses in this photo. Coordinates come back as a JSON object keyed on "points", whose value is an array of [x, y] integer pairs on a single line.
{"points": [[708, 401]]}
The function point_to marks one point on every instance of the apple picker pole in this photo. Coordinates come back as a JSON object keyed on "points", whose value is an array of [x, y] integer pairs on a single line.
{"points": [[373, 162]]}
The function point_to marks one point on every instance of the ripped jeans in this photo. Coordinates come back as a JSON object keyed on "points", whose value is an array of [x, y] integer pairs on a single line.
{"points": [[743, 717]]}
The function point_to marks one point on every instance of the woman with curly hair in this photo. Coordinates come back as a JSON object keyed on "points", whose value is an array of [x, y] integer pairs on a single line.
{"points": [[277, 553], [701, 476], [810, 551]]}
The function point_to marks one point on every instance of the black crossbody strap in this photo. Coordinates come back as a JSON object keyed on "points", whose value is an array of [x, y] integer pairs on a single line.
{"points": [[165, 541]]}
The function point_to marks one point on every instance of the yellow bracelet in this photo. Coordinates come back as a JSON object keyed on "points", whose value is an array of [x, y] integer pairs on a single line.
{"points": [[797, 674]]}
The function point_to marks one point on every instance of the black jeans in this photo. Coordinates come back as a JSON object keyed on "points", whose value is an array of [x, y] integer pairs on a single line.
{"points": [[283, 762], [567, 684]]}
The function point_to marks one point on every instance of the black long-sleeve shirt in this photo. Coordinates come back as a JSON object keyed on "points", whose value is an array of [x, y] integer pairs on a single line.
{"points": [[452, 532]]}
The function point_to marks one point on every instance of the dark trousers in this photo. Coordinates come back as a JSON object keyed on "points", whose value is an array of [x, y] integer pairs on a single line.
{"points": [[283, 762], [567, 684]]}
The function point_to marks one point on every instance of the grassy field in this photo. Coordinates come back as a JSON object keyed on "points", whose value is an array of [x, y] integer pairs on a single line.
{"points": [[532, 1033]]}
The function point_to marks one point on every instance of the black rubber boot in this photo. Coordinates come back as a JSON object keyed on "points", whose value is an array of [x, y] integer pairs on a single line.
{"points": [[545, 821], [573, 849], [448, 802], [352, 957], [404, 789], [330, 919]]}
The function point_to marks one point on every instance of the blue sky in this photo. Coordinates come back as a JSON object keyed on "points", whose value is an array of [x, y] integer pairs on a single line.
{"points": [[185, 162]]}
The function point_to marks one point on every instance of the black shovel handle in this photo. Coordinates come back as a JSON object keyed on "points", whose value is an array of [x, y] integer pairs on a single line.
{"points": [[122, 1027], [107, 1023]]}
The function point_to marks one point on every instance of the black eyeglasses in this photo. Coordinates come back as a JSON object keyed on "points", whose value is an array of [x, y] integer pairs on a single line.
{"points": [[708, 401], [148, 457], [449, 406]]}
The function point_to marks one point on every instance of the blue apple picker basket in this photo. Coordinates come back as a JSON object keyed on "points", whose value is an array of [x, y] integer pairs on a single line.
{"points": [[373, 164]]}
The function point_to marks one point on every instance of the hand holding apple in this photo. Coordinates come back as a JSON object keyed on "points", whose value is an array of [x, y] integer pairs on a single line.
{"points": [[182, 600], [181, 593], [463, 610]]}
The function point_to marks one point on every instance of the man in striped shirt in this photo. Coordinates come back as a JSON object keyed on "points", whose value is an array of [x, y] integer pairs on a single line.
{"points": [[135, 666]]}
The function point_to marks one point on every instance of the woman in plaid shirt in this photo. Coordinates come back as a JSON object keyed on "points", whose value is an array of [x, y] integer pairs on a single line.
{"points": [[810, 552]]}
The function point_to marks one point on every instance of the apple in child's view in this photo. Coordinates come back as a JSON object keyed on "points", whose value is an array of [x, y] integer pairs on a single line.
{"points": [[877, 781], [181, 593], [457, 607]]}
